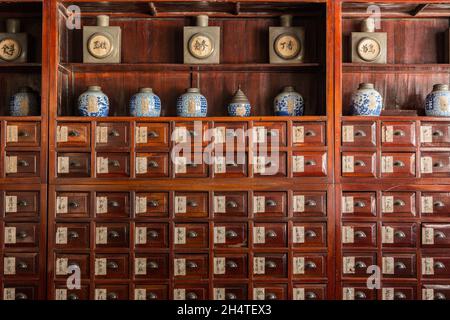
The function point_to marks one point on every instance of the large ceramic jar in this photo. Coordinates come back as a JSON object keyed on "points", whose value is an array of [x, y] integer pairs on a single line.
{"points": [[24, 103], [145, 104], [437, 103], [239, 105], [366, 101], [93, 103], [192, 104], [289, 103]]}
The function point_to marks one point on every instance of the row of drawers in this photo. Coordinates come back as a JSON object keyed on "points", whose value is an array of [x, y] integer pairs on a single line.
{"points": [[359, 291]]}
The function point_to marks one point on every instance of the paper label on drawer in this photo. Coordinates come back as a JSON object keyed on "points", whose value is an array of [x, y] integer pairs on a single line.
{"points": [[348, 265], [100, 294], [298, 163], [426, 164], [299, 265], [259, 235], [219, 293], [61, 266], [387, 293], [180, 135], [387, 204], [219, 135], [387, 164], [427, 204], [140, 294], [102, 165], [219, 265], [11, 204], [298, 134], [347, 205], [348, 234], [11, 164], [140, 235], [101, 235], [259, 165], [219, 204], [179, 267], [61, 294], [219, 165], [180, 204], [348, 293], [348, 164], [179, 294], [100, 266], [387, 234], [141, 165], [61, 235], [426, 134], [259, 204], [180, 164], [299, 203], [12, 134], [299, 294], [299, 234], [140, 266], [62, 133], [219, 235], [259, 293], [9, 264], [62, 204], [259, 134], [259, 265], [387, 135], [10, 235], [427, 235], [101, 135], [428, 266], [180, 235], [9, 294], [427, 294], [348, 134], [141, 134], [102, 205], [63, 164], [141, 205], [388, 265]]}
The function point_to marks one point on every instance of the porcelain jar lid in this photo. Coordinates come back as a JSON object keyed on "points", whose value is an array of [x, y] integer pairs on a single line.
{"points": [[193, 90], [95, 88], [440, 87], [145, 90], [286, 20], [239, 97], [365, 86], [103, 21], [12, 25]]}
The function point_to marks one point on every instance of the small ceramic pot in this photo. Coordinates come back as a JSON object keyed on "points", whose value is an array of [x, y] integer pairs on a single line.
{"points": [[24, 103], [93, 103], [145, 104], [366, 101], [437, 103], [289, 103], [192, 104], [239, 105]]}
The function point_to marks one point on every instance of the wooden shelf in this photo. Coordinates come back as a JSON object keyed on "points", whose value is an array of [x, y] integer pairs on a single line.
{"points": [[348, 67], [394, 118], [19, 66]]}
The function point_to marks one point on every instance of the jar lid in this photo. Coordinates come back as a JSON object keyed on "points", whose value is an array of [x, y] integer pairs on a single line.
{"points": [[95, 88], [440, 87], [12, 25], [202, 20], [25, 89], [365, 86], [103, 21], [286, 20], [193, 90], [239, 97], [368, 25], [289, 89], [146, 90]]}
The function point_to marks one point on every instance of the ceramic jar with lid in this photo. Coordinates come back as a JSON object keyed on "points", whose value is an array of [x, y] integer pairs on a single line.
{"points": [[93, 103], [437, 102], [289, 103], [13, 43], [366, 101], [24, 103], [192, 104], [145, 104], [239, 105]]}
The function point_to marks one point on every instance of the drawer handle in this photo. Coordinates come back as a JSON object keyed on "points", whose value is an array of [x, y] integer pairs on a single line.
{"points": [[113, 234], [271, 234], [399, 163], [268, 164], [399, 203], [73, 204], [271, 296], [271, 264], [114, 204], [153, 234], [152, 296], [231, 234], [192, 165], [310, 265], [21, 296], [72, 296], [360, 163], [439, 204], [400, 266], [360, 295], [400, 296], [191, 296], [23, 163], [112, 296], [153, 203], [438, 133], [231, 264], [192, 234], [23, 134], [73, 133], [191, 265], [153, 134], [230, 296], [192, 203], [22, 203], [22, 265], [310, 234], [360, 265], [152, 265], [232, 165], [232, 204], [192, 133], [310, 163], [73, 235], [439, 235], [114, 133], [439, 296], [360, 234], [114, 163], [310, 295], [271, 203], [112, 265], [75, 164], [399, 133], [272, 133], [310, 133], [438, 164], [360, 204], [153, 164], [22, 234], [439, 265], [399, 234], [310, 203], [360, 133]]}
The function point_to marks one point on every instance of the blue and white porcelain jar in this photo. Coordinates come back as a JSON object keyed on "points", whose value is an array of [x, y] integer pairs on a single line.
{"points": [[93, 103], [24, 103], [437, 103], [239, 105], [145, 104], [289, 103], [192, 104], [366, 101]]}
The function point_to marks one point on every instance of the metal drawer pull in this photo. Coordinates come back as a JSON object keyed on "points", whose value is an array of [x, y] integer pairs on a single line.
{"points": [[268, 164], [310, 203], [310, 133], [113, 234], [192, 203], [400, 296], [72, 296], [360, 163], [270, 264], [23, 163], [22, 234], [439, 235], [310, 163], [271, 203], [21, 296], [231, 264], [153, 234], [152, 134], [22, 265], [114, 133], [114, 204], [114, 163], [439, 204], [400, 266], [399, 133], [192, 165], [438, 164], [191, 296], [360, 133], [232, 164], [191, 265], [153, 203], [192, 133], [438, 133], [112, 265], [73, 235], [360, 204], [399, 163], [439, 265], [192, 234], [310, 295], [271, 296], [73, 204], [232, 204], [360, 265], [231, 234], [399, 203], [399, 234], [272, 133], [271, 234], [22, 203], [152, 296], [73, 133], [310, 234], [23, 134], [153, 164], [310, 265], [360, 234], [360, 295], [439, 296], [112, 296], [75, 164], [230, 296]]}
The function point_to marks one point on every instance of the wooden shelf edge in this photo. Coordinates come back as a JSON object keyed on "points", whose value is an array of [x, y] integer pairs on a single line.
{"points": [[393, 118], [223, 118], [349, 67]]}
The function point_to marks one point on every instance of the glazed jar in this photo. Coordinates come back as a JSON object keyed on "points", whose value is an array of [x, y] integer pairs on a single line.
{"points": [[93, 103], [289, 103], [145, 104], [437, 103], [239, 105], [192, 104], [24, 103], [366, 101]]}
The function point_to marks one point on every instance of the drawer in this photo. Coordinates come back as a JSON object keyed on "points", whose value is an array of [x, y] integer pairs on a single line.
{"points": [[269, 204], [228, 266], [62, 293], [309, 204], [111, 235], [269, 133], [112, 204], [359, 134], [359, 235], [22, 291], [151, 266], [267, 235], [435, 134], [435, 292], [21, 164], [23, 134], [191, 204], [358, 204], [151, 204], [269, 291], [308, 134], [151, 292], [191, 166], [435, 266], [356, 264], [193, 133], [398, 165], [190, 235], [308, 235], [272, 265], [72, 204], [21, 235], [230, 204], [435, 235], [358, 164], [72, 236], [111, 266], [435, 204], [307, 265], [270, 165], [73, 135], [435, 164], [152, 135], [152, 165], [20, 265], [357, 291], [65, 264], [18, 204], [309, 164], [190, 266], [112, 135], [230, 235], [230, 133], [151, 235], [190, 292], [230, 166], [398, 204], [112, 165], [397, 292], [74, 165], [399, 234], [225, 291], [398, 265], [398, 134], [302, 291], [111, 292]]}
